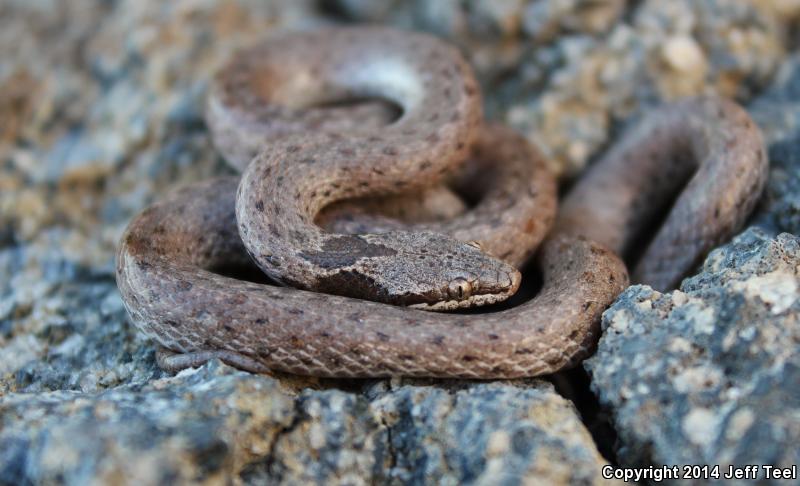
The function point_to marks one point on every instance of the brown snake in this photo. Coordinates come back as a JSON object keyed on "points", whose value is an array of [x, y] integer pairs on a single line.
{"points": [[169, 259]]}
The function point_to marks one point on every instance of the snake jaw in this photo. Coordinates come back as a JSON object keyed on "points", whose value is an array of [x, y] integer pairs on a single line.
{"points": [[490, 296]]}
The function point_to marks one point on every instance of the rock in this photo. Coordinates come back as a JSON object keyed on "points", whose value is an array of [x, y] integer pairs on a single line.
{"points": [[777, 112], [708, 374], [780, 208], [216, 423], [199, 426]]}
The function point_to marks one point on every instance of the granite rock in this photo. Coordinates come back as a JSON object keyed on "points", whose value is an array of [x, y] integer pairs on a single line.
{"points": [[708, 374], [777, 112], [216, 424], [780, 208]]}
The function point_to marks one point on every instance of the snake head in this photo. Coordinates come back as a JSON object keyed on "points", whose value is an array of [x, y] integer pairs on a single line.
{"points": [[435, 272]]}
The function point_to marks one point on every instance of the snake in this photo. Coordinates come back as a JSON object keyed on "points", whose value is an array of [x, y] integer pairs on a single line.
{"points": [[355, 301]]}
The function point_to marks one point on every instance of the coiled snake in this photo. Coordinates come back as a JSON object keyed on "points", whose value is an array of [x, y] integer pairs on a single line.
{"points": [[273, 113]]}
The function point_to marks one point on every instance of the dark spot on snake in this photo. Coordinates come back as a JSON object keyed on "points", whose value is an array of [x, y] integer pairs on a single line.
{"points": [[345, 250], [383, 337], [296, 312], [352, 283], [524, 351], [468, 358], [390, 151], [425, 164], [438, 340], [183, 285], [298, 236], [493, 337], [433, 117], [227, 328], [553, 360], [260, 321], [260, 206], [348, 152], [292, 148], [324, 334], [309, 160], [405, 357], [586, 305]]}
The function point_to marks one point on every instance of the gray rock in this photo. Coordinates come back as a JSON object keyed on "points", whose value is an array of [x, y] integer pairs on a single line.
{"points": [[777, 112], [708, 374], [780, 209], [200, 426], [216, 423]]}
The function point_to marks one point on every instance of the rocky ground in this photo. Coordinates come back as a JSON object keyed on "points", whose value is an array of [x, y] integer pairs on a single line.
{"points": [[101, 113]]}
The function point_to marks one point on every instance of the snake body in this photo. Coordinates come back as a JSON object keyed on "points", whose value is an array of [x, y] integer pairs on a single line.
{"points": [[169, 261]]}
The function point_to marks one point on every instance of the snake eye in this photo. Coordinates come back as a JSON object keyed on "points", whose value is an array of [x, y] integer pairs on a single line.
{"points": [[459, 289], [475, 244]]}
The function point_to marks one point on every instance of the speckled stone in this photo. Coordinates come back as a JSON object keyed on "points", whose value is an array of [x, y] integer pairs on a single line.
{"points": [[708, 374], [777, 112], [777, 109], [780, 207], [216, 424]]}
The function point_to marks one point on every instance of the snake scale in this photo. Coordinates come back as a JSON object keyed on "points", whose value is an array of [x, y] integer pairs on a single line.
{"points": [[413, 119]]}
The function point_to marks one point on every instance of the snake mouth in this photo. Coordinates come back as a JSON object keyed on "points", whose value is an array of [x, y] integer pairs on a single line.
{"points": [[475, 300]]}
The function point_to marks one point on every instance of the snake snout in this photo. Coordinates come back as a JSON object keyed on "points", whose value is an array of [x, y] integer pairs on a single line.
{"points": [[514, 281]]}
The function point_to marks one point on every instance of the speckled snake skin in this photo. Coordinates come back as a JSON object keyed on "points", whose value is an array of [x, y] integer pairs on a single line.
{"points": [[273, 113]]}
